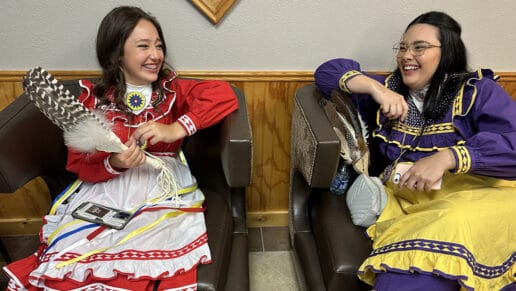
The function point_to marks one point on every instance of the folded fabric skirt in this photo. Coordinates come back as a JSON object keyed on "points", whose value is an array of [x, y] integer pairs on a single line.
{"points": [[465, 232]]}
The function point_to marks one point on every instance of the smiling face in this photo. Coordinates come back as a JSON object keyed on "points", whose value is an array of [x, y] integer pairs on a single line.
{"points": [[143, 54], [417, 71]]}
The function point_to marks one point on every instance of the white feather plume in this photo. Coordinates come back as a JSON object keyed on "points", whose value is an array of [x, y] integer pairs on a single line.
{"points": [[87, 137]]}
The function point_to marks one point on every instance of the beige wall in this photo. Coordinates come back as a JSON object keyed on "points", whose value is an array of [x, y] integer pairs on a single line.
{"points": [[254, 35]]}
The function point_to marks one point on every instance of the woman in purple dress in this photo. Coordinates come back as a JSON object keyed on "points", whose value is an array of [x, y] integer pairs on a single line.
{"points": [[448, 224]]}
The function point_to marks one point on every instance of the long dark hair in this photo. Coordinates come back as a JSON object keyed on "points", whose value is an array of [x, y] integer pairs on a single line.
{"points": [[452, 70], [114, 30]]}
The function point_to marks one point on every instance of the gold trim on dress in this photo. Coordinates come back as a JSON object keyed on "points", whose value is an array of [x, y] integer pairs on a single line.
{"points": [[445, 127], [348, 75], [463, 159]]}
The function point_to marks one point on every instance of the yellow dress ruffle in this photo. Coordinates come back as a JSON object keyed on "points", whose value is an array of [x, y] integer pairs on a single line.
{"points": [[465, 231]]}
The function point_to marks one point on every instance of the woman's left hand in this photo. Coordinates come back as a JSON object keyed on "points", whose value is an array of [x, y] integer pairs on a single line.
{"points": [[154, 132], [427, 171]]}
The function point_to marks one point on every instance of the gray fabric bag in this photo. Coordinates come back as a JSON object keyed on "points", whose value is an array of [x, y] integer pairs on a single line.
{"points": [[366, 199]]}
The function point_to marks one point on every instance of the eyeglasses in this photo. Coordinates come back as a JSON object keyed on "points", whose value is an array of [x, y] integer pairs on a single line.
{"points": [[417, 49]]}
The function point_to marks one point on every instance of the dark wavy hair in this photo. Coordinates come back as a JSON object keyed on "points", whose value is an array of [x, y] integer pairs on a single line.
{"points": [[114, 30], [452, 70]]}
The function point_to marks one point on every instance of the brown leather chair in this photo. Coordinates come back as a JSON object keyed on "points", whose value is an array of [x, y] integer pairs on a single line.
{"points": [[219, 157], [328, 248]]}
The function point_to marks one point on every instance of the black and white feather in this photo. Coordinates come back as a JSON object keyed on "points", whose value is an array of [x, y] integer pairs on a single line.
{"points": [[83, 130]]}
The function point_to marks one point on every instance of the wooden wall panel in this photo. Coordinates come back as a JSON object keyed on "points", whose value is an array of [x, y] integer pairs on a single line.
{"points": [[270, 107], [269, 99], [8, 92], [21, 212]]}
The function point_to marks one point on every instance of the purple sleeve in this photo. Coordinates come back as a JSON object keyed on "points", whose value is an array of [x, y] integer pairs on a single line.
{"points": [[328, 74], [327, 77], [491, 144]]}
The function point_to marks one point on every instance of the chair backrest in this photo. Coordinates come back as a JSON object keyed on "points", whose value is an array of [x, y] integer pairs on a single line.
{"points": [[32, 146]]}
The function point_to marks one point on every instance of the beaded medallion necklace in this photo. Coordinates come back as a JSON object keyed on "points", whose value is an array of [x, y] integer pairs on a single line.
{"points": [[137, 98]]}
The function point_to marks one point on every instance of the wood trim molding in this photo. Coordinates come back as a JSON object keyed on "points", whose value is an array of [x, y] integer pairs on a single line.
{"points": [[249, 76], [507, 76], [246, 76], [15, 76]]}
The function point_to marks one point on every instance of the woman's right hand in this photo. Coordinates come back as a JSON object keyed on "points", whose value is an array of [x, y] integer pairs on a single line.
{"points": [[132, 157], [393, 105]]}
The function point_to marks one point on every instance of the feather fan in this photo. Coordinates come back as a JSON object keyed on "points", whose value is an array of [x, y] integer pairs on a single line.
{"points": [[83, 129], [350, 128]]}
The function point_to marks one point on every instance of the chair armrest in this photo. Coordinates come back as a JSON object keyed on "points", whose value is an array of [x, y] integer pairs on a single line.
{"points": [[236, 147], [315, 146], [314, 156]]}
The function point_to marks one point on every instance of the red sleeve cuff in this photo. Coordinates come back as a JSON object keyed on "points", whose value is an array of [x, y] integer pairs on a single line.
{"points": [[188, 123]]}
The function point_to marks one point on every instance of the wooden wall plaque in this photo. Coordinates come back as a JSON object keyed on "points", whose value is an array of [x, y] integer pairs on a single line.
{"points": [[214, 10]]}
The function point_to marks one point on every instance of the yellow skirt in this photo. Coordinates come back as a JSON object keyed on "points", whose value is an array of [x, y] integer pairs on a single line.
{"points": [[465, 231]]}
